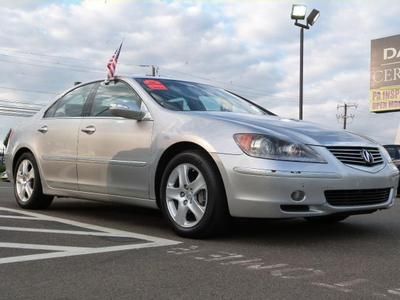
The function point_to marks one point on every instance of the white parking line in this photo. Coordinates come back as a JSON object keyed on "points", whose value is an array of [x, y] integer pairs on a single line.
{"points": [[41, 247], [65, 251], [16, 217], [76, 232]]}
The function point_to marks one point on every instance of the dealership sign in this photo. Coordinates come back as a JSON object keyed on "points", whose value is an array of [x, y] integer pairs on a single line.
{"points": [[385, 74]]}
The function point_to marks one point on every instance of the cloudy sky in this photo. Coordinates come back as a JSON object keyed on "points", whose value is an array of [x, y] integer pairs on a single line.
{"points": [[250, 47]]}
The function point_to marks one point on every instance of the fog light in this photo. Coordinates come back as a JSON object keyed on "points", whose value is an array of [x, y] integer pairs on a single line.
{"points": [[298, 196]]}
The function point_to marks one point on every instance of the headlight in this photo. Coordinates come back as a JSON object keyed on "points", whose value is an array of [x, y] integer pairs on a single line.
{"points": [[270, 147]]}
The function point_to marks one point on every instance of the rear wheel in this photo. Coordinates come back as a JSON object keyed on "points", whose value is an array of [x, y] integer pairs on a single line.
{"points": [[330, 219], [192, 196], [27, 185]]}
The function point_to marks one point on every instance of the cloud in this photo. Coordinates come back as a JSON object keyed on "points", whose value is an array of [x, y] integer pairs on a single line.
{"points": [[250, 47]]}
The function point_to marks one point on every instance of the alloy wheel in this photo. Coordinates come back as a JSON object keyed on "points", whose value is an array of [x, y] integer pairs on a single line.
{"points": [[186, 195], [25, 180]]}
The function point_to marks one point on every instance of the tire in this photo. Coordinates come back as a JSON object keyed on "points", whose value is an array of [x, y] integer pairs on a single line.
{"points": [[195, 203], [27, 184], [330, 219]]}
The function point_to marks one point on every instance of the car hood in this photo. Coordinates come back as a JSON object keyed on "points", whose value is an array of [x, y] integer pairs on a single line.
{"points": [[305, 132]]}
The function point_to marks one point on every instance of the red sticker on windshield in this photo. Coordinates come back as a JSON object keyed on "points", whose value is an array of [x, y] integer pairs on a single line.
{"points": [[155, 85]]}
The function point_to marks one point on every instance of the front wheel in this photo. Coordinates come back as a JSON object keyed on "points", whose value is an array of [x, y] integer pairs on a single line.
{"points": [[193, 197], [27, 185]]}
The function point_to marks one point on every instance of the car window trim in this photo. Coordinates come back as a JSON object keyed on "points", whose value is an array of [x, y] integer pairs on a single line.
{"points": [[87, 108], [252, 103], [58, 101], [91, 105]]}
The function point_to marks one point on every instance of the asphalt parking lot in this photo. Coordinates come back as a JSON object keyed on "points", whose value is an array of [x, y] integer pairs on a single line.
{"points": [[89, 250]]}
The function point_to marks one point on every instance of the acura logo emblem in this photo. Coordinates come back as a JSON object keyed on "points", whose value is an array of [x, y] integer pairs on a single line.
{"points": [[367, 156]]}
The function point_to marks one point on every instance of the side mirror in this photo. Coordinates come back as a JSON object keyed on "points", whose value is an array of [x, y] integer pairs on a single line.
{"points": [[128, 112]]}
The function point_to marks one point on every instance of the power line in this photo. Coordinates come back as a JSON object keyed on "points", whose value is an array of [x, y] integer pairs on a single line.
{"points": [[254, 92], [18, 102], [8, 107], [56, 65], [155, 69], [259, 92], [40, 54], [14, 114], [53, 56], [19, 108], [78, 68], [27, 90]]}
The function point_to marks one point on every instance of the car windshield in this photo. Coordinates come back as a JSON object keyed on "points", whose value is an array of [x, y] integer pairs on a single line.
{"points": [[190, 96]]}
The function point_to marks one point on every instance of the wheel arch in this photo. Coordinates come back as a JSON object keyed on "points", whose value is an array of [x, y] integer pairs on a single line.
{"points": [[18, 154], [172, 151]]}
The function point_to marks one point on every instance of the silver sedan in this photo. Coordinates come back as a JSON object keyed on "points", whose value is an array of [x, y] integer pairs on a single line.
{"points": [[200, 153]]}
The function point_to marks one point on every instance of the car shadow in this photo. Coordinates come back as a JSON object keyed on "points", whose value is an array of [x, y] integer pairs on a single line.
{"points": [[292, 232], [299, 231], [106, 214]]}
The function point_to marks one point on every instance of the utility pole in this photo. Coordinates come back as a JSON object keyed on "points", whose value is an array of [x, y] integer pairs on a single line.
{"points": [[154, 69], [345, 114]]}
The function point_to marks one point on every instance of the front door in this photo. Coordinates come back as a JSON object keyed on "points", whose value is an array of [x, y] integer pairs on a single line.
{"points": [[113, 152]]}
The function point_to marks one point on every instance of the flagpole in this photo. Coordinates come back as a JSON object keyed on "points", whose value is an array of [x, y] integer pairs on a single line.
{"points": [[112, 64]]}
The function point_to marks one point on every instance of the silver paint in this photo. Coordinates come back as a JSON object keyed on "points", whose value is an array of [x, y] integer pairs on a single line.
{"points": [[118, 160]]}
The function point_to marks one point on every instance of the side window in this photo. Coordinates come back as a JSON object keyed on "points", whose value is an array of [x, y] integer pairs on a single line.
{"points": [[71, 105], [114, 93], [50, 112]]}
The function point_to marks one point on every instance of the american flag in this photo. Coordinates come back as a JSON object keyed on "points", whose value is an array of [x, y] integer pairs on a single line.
{"points": [[112, 63]]}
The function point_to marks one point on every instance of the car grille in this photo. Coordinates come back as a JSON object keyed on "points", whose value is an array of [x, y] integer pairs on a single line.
{"points": [[357, 197], [353, 155]]}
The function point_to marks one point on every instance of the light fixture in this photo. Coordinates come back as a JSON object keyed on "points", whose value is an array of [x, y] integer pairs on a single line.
{"points": [[298, 12], [313, 17]]}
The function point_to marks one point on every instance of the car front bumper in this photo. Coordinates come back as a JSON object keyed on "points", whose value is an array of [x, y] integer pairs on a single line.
{"points": [[261, 188]]}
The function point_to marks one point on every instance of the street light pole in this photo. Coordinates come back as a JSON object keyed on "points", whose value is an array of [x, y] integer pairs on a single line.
{"points": [[301, 73], [299, 13]]}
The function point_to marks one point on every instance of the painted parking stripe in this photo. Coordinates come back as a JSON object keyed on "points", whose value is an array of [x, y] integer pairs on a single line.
{"points": [[74, 232], [17, 217], [147, 241], [41, 247]]}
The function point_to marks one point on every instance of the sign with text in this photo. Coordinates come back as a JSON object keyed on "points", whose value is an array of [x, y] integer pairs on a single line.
{"points": [[385, 74]]}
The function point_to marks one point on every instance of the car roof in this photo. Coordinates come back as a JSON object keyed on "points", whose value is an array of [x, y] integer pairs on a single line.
{"points": [[166, 78], [134, 77]]}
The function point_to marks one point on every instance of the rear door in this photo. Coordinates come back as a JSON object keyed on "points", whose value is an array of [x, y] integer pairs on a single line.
{"points": [[113, 152], [58, 136]]}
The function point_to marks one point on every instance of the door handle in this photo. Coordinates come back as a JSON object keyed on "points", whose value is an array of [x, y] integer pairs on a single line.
{"points": [[43, 129], [89, 129]]}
